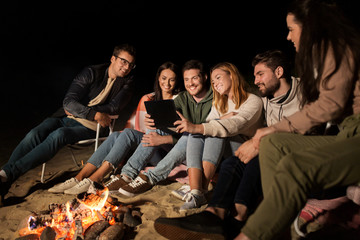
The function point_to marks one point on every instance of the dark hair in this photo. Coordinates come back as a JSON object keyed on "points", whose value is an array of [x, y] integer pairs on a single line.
{"points": [[125, 47], [273, 59], [157, 88], [324, 27], [194, 64]]}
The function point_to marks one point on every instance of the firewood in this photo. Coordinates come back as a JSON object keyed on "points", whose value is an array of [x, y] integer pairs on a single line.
{"points": [[48, 234], [95, 229], [29, 237], [114, 232]]}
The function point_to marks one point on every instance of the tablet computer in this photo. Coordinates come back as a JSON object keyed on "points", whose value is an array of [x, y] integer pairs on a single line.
{"points": [[163, 112]]}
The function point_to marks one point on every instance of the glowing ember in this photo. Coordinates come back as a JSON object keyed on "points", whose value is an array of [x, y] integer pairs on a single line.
{"points": [[74, 217]]}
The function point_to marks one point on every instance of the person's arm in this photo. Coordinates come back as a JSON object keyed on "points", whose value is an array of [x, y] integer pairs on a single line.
{"points": [[242, 123], [330, 104], [78, 89]]}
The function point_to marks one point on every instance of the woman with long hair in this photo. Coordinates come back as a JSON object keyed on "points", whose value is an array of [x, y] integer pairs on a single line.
{"points": [[111, 153], [294, 165], [235, 115]]}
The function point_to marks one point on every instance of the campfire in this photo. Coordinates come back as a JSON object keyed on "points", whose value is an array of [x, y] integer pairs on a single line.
{"points": [[88, 216]]}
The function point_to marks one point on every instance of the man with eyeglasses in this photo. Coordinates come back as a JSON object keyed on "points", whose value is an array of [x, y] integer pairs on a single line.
{"points": [[95, 94]]}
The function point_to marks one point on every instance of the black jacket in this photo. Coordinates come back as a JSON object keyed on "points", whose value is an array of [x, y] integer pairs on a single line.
{"points": [[88, 84]]}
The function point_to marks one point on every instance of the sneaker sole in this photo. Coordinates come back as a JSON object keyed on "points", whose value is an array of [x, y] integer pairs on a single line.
{"points": [[55, 191], [176, 233], [178, 196], [126, 193]]}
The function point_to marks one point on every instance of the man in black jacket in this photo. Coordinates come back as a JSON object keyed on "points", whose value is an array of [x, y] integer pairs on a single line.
{"points": [[95, 94]]}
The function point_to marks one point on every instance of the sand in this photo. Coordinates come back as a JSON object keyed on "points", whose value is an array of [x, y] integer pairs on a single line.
{"points": [[29, 195]]}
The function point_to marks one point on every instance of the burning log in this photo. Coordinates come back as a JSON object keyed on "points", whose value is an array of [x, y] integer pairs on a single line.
{"points": [[113, 232], [48, 234], [89, 216], [95, 229]]}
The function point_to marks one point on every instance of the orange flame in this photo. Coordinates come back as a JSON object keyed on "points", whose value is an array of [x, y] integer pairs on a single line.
{"points": [[64, 223]]}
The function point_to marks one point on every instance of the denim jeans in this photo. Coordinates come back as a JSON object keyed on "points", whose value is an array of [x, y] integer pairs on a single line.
{"points": [[116, 147], [237, 183], [201, 148], [176, 156], [142, 156], [42, 143]]}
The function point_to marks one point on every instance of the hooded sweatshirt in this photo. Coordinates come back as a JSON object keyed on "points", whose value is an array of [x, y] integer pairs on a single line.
{"points": [[283, 105]]}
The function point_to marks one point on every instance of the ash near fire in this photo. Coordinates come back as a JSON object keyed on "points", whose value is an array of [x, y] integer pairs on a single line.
{"points": [[89, 216]]}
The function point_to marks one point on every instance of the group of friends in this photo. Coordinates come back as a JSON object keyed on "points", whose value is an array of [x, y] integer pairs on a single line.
{"points": [[269, 147]]}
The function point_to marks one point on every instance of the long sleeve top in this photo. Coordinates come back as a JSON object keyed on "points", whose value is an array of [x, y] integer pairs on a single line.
{"points": [[333, 103], [248, 119]]}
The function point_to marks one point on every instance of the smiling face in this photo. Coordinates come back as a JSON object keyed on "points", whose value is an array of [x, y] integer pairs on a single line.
{"points": [[194, 83], [167, 81], [121, 65], [221, 81], [266, 80], [294, 31]]}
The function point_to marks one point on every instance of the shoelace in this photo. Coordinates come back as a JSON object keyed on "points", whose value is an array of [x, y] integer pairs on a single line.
{"points": [[83, 182], [114, 178], [70, 181], [137, 182], [188, 196]]}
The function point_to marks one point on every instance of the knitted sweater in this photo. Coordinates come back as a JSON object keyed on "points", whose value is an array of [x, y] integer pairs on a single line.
{"points": [[248, 119]]}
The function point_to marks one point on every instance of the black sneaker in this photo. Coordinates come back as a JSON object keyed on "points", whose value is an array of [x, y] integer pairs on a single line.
{"points": [[139, 185], [204, 225]]}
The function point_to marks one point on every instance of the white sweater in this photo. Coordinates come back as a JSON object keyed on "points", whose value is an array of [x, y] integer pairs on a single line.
{"points": [[248, 119]]}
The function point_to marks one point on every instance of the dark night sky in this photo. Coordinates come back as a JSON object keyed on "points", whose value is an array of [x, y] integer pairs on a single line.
{"points": [[45, 44]]}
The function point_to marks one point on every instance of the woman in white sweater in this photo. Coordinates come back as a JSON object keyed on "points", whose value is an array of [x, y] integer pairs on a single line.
{"points": [[235, 116]]}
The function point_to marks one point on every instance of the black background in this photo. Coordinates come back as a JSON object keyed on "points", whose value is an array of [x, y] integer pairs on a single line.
{"points": [[45, 44]]}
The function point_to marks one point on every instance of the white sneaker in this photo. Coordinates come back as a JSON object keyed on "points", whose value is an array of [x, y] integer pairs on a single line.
{"points": [[181, 192], [81, 187], [61, 187], [193, 199]]}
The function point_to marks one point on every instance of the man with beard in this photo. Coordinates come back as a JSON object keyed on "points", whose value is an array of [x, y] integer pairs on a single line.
{"points": [[239, 184]]}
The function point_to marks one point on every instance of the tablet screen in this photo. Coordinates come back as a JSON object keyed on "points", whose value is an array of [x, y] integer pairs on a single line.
{"points": [[163, 112]]}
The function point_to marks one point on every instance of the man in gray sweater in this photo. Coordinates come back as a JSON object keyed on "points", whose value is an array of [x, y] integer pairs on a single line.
{"points": [[239, 184]]}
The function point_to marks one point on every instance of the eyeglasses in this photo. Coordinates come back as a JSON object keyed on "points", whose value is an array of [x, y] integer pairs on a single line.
{"points": [[126, 62]]}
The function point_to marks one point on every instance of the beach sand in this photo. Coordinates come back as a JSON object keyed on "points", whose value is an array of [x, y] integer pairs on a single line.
{"points": [[29, 195]]}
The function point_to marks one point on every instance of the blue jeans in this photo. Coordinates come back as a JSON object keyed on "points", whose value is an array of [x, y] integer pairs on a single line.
{"points": [[116, 147], [203, 148], [42, 143], [237, 183], [142, 156], [175, 157]]}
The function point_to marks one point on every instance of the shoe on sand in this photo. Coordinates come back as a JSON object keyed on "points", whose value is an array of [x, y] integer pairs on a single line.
{"points": [[61, 187]]}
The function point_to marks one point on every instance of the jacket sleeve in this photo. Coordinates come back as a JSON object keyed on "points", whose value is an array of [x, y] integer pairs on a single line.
{"points": [[78, 90], [248, 119], [330, 104]]}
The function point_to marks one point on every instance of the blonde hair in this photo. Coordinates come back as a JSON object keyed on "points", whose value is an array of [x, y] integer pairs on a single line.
{"points": [[238, 84]]}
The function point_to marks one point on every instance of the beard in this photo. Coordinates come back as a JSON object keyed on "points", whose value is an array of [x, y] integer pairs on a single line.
{"points": [[269, 90]]}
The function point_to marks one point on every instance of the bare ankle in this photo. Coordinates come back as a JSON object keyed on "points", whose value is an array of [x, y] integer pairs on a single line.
{"points": [[220, 212]]}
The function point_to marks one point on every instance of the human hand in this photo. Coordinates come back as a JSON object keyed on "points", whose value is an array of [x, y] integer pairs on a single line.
{"points": [[149, 122], [260, 133], [152, 139], [184, 125], [247, 151], [103, 119]]}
